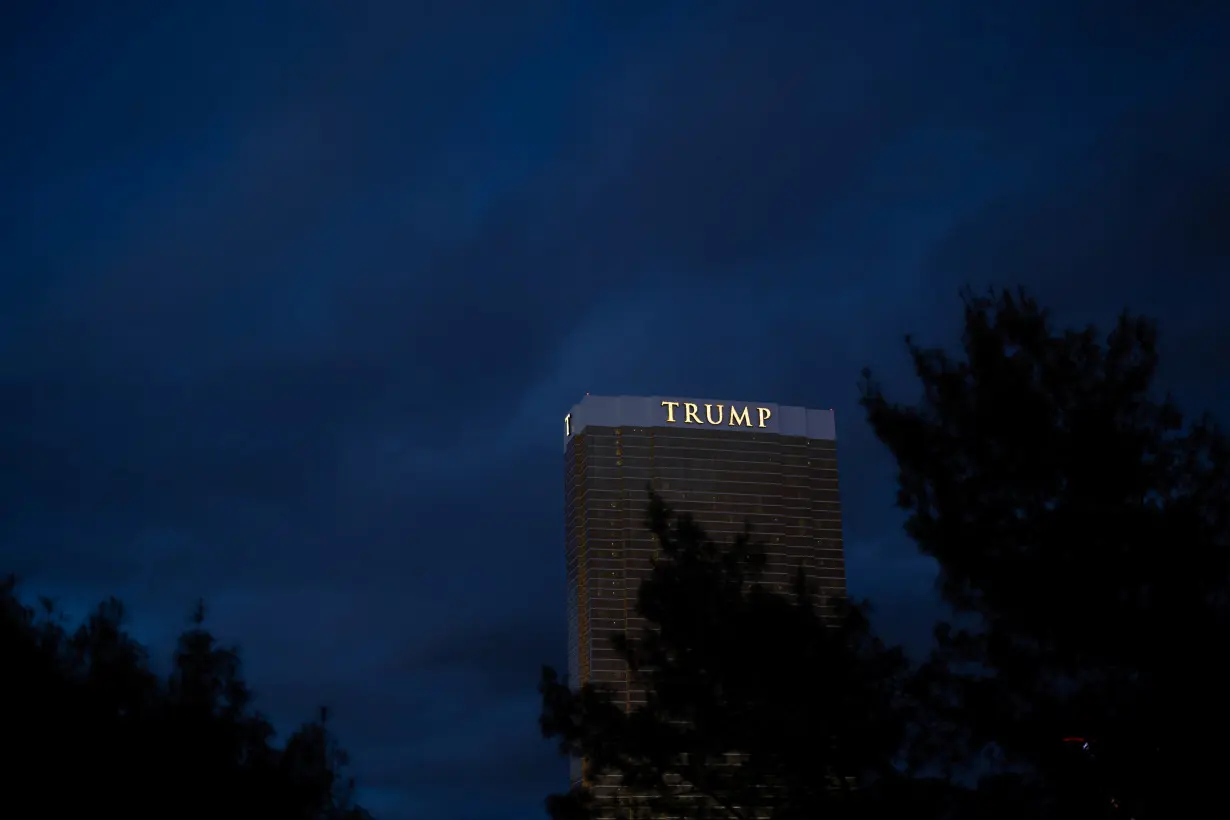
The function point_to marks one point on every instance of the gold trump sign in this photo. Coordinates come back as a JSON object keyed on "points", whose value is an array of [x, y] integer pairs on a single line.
{"points": [[716, 414]]}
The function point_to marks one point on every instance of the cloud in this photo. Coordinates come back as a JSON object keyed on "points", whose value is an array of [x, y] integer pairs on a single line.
{"points": [[1133, 220], [502, 655], [293, 302]]}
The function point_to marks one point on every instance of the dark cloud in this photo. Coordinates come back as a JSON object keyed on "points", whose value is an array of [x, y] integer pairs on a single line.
{"points": [[1137, 219], [292, 300], [505, 655]]}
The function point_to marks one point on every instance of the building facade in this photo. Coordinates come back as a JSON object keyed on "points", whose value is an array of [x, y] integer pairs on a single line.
{"points": [[725, 462]]}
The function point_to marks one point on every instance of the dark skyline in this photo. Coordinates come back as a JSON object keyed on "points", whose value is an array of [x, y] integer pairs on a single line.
{"points": [[288, 293]]}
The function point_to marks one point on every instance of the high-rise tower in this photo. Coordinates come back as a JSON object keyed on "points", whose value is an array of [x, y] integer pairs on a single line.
{"points": [[726, 463]]}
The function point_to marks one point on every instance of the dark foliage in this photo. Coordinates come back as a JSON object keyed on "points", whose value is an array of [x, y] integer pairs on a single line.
{"points": [[1082, 527], [814, 712], [89, 729]]}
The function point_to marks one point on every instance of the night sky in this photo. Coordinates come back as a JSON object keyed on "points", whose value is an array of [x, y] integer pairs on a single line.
{"points": [[294, 297]]}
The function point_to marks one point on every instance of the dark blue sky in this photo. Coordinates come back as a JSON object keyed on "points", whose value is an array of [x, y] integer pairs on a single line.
{"points": [[294, 296]]}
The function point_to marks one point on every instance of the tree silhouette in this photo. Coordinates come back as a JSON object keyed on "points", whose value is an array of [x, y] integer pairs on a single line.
{"points": [[1081, 526], [755, 704], [89, 727]]}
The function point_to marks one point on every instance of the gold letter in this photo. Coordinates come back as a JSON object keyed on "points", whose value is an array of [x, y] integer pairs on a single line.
{"points": [[670, 410], [689, 413], [709, 414], [764, 414], [568, 425], [744, 419]]}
